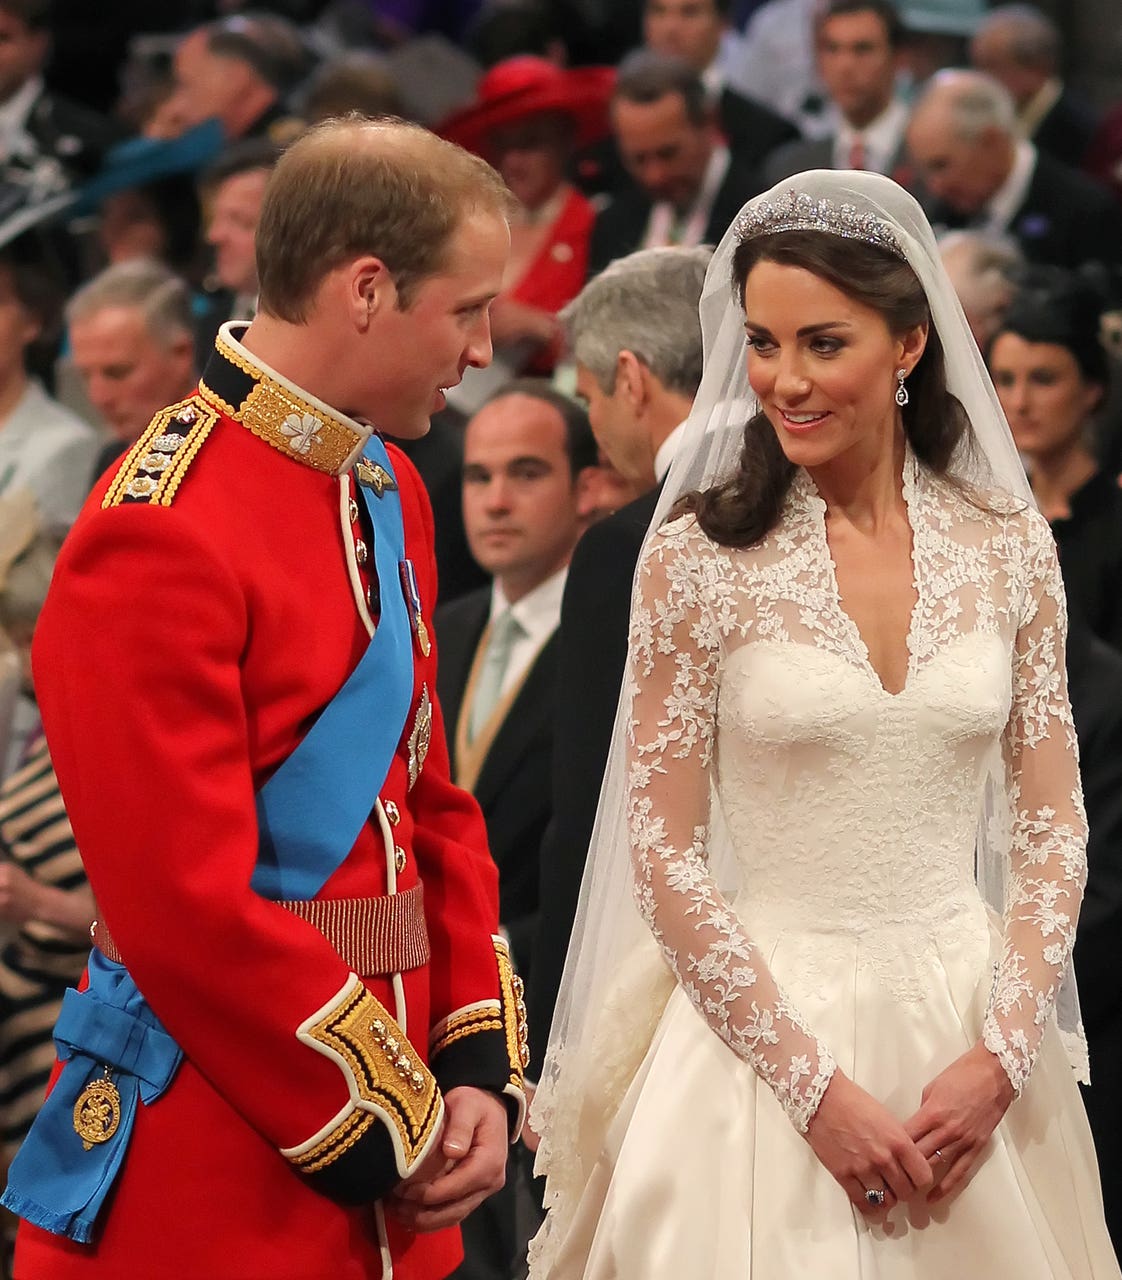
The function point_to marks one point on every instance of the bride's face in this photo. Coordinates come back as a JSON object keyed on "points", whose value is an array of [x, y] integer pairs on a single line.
{"points": [[822, 364]]}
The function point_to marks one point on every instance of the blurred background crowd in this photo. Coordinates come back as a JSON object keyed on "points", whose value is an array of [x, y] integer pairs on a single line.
{"points": [[136, 142]]}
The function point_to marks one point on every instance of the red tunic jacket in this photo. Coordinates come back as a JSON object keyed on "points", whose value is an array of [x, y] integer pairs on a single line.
{"points": [[202, 614]]}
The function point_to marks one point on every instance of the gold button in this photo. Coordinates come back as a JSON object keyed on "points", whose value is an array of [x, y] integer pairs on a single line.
{"points": [[392, 812], [360, 551], [399, 858], [352, 510]]}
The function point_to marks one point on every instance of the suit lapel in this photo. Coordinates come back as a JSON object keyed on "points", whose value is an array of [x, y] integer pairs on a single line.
{"points": [[458, 644], [529, 714]]}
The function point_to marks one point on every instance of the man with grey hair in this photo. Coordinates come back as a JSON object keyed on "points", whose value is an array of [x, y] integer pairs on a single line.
{"points": [[132, 343], [980, 174], [1020, 46], [635, 333], [630, 333]]}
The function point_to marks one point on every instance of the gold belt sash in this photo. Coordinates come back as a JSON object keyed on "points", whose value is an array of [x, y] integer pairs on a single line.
{"points": [[372, 936]]}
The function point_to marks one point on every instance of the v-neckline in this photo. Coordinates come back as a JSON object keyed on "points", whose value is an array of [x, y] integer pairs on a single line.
{"points": [[909, 489]]}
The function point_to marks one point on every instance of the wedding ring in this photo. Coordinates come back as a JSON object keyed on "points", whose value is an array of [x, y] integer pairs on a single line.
{"points": [[938, 1154], [873, 1196]]}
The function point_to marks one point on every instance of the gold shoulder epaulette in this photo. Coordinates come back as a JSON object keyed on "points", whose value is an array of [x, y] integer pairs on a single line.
{"points": [[154, 467]]}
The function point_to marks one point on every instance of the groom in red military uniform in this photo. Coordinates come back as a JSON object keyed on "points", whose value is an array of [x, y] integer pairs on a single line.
{"points": [[298, 1049]]}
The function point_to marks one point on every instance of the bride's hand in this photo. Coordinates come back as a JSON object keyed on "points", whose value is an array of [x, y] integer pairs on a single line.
{"points": [[865, 1147], [958, 1111]]}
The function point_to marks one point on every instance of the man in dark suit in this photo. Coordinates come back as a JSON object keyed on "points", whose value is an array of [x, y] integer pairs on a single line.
{"points": [[981, 174], [526, 455], [239, 69], [647, 303], [686, 184], [1095, 686], [1019, 46], [856, 46], [46, 141]]}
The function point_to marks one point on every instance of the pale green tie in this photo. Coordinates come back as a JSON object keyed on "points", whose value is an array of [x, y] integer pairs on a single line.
{"points": [[506, 631]]}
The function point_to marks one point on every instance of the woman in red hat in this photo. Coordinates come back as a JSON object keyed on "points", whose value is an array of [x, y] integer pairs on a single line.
{"points": [[528, 119]]}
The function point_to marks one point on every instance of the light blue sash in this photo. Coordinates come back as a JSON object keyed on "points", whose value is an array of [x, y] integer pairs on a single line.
{"points": [[311, 810]]}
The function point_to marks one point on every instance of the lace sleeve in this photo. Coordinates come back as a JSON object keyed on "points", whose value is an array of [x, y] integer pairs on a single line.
{"points": [[1048, 862], [674, 676]]}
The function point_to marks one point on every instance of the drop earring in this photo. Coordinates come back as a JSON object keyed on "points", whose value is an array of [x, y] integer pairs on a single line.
{"points": [[901, 390]]}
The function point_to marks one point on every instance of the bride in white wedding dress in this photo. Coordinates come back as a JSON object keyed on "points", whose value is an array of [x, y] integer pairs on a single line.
{"points": [[844, 732]]}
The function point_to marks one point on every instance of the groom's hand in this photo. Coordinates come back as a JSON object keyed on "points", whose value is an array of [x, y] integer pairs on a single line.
{"points": [[474, 1150]]}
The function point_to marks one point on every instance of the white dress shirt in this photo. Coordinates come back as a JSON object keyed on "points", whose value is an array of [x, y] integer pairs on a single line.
{"points": [[14, 139], [713, 81], [880, 139], [1009, 197], [666, 452], [538, 613]]}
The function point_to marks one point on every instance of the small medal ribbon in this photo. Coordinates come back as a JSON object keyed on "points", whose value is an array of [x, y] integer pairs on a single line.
{"points": [[413, 600]]}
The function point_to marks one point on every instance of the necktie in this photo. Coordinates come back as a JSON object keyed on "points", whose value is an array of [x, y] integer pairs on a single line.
{"points": [[506, 631], [857, 153]]}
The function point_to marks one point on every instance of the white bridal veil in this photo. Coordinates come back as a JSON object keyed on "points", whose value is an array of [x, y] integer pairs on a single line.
{"points": [[616, 983]]}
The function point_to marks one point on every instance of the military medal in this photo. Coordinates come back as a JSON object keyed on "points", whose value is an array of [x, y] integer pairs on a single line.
{"points": [[97, 1113], [372, 475], [423, 636], [421, 736], [413, 600]]}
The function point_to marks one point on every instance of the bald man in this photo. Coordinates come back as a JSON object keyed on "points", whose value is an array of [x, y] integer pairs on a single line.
{"points": [[982, 175]]}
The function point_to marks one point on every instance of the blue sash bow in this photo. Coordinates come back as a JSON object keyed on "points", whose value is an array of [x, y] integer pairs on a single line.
{"points": [[53, 1182], [309, 815]]}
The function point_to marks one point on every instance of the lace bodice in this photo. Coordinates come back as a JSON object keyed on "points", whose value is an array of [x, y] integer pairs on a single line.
{"points": [[851, 810]]}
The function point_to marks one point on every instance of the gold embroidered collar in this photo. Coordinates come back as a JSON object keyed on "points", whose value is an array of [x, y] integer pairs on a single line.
{"points": [[291, 420]]}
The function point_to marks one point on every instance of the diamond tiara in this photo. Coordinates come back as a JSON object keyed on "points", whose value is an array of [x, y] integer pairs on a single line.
{"points": [[797, 211]]}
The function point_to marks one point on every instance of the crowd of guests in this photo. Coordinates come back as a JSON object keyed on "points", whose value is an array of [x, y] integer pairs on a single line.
{"points": [[630, 135]]}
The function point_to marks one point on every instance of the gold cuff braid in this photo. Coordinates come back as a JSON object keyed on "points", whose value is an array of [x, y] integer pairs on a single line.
{"points": [[512, 996], [386, 1077], [507, 1016]]}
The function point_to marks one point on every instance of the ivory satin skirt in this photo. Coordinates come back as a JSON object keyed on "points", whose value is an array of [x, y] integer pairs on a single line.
{"points": [[701, 1175]]}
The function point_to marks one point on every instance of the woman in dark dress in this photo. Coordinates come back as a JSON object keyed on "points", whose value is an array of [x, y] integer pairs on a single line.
{"points": [[1051, 373]]}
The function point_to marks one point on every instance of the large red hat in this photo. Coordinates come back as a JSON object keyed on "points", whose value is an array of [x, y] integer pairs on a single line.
{"points": [[527, 86]]}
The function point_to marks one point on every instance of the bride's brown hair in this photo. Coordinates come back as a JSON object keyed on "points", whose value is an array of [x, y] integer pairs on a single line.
{"points": [[743, 509]]}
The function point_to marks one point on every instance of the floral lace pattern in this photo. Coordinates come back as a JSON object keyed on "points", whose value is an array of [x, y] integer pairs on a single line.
{"points": [[852, 812]]}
